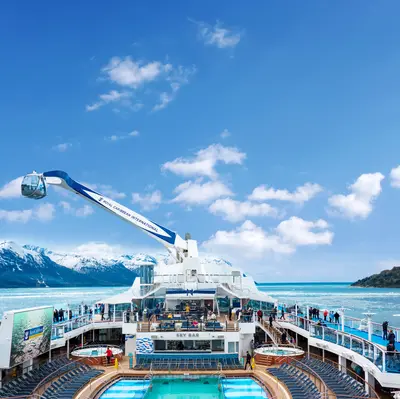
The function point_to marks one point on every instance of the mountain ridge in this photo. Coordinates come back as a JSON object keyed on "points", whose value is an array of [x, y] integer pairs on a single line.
{"points": [[385, 279], [33, 266]]}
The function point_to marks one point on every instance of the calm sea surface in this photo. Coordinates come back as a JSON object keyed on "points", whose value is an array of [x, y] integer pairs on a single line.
{"points": [[384, 302]]}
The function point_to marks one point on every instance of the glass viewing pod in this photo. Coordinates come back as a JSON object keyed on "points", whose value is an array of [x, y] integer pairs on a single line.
{"points": [[33, 186]]}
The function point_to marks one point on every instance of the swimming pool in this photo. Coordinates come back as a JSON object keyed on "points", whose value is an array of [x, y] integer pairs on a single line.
{"points": [[132, 389], [180, 387]]}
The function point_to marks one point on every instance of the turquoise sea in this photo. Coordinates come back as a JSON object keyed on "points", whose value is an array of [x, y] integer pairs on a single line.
{"points": [[384, 302]]}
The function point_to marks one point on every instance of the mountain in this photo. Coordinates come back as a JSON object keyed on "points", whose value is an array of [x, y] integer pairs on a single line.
{"points": [[32, 266], [20, 267], [384, 279], [106, 272]]}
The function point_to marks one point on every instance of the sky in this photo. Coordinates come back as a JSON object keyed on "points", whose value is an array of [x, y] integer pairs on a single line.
{"points": [[270, 133]]}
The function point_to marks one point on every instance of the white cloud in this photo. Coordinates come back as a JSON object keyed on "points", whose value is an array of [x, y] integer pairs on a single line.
{"points": [[236, 211], [11, 189], [251, 241], [196, 193], [164, 100], [300, 195], [395, 177], [115, 137], [68, 209], [225, 133], [99, 250], [106, 190], [106, 98], [43, 213], [62, 147], [302, 232], [133, 75], [218, 35], [359, 203], [204, 162], [147, 201], [127, 72]]}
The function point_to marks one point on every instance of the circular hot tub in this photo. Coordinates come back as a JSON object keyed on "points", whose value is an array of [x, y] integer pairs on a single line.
{"points": [[270, 355], [96, 354]]}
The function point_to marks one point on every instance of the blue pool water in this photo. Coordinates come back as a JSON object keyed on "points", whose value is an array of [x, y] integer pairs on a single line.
{"points": [[242, 388], [132, 389], [204, 387]]}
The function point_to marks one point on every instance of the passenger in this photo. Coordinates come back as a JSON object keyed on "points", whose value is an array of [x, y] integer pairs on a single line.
{"points": [[390, 355], [230, 313], [284, 338], [275, 313], [187, 308], [90, 314], [331, 316], [61, 315], [270, 320], [248, 361], [55, 316], [237, 313], [385, 329], [109, 355], [259, 315], [392, 338], [336, 316], [325, 314], [102, 313], [317, 313], [283, 314], [70, 314], [140, 314], [213, 316]]}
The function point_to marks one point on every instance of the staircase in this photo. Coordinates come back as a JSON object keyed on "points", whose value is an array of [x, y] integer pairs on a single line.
{"points": [[274, 333]]}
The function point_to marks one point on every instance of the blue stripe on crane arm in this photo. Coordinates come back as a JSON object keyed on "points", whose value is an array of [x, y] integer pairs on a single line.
{"points": [[81, 189]]}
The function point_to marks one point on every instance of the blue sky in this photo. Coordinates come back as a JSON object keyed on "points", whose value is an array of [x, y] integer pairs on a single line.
{"points": [[180, 111]]}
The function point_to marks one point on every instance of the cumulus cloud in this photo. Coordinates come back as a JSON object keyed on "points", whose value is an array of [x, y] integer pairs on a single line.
{"points": [[236, 211], [106, 190], [133, 75], [62, 147], [147, 201], [113, 96], [43, 213], [115, 137], [300, 195], [359, 203], [217, 35], [251, 241], [197, 193], [205, 160], [99, 250], [225, 134], [395, 177], [83, 211], [11, 189]]}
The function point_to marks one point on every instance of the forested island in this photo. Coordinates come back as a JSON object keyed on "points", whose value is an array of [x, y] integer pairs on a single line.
{"points": [[384, 279]]}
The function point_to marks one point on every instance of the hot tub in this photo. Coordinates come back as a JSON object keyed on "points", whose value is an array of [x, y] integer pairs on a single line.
{"points": [[270, 355], [96, 355]]}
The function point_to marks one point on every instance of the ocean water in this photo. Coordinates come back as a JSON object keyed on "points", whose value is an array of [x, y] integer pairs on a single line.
{"points": [[382, 301], [385, 302]]}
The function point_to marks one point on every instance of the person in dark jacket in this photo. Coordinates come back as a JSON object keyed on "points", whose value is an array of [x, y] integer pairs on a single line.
{"points": [[270, 320], [248, 361], [392, 337], [385, 329]]}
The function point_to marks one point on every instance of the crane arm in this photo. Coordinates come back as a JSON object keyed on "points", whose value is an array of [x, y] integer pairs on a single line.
{"points": [[34, 186]]}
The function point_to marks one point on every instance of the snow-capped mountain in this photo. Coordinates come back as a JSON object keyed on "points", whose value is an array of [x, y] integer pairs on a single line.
{"points": [[105, 271], [21, 267], [31, 266]]}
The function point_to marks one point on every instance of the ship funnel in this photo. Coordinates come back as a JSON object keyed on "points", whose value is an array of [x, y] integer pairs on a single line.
{"points": [[33, 186]]}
